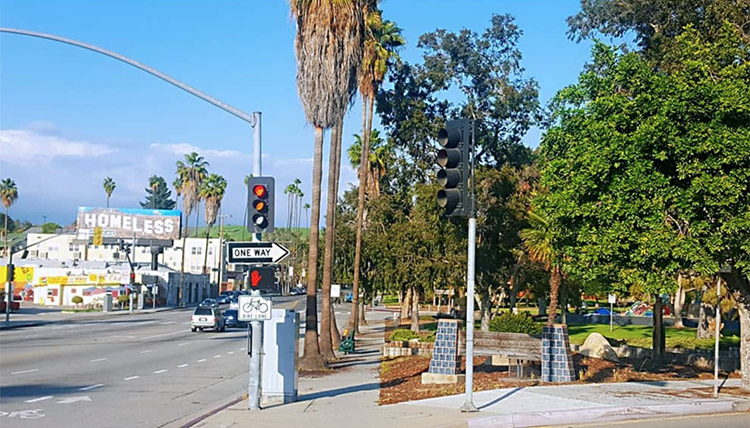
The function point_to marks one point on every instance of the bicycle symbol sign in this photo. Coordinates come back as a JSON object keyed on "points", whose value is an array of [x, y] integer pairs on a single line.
{"points": [[254, 308]]}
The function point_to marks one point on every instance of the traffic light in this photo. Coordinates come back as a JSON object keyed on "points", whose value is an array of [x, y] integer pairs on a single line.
{"points": [[455, 170], [260, 204]]}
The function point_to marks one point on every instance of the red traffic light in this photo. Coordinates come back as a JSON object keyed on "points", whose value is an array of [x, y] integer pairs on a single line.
{"points": [[260, 191]]}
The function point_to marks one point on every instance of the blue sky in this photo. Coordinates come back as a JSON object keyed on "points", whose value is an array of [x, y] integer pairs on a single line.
{"points": [[70, 117]]}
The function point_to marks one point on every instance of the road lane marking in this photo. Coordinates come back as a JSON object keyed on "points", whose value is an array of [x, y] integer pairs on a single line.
{"points": [[26, 371], [97, 360], [147, 351], [69, 400], [160, 371], [132, 377], [183, 343], [201, 361], [182, 365], [217, 356], [242, 349], [162, 335], [34, 400], [230, 352], [86, 388], [168, 322]]}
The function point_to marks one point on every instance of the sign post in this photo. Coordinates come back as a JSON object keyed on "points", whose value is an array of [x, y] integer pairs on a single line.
{"points": [[255, 309], [612, 298]]}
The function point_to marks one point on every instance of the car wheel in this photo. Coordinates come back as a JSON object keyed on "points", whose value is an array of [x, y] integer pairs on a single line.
{"points": [[200, 328], [193, 329]]}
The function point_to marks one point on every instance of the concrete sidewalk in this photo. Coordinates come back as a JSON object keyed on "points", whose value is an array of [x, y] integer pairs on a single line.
{"points": [[347, 397]]}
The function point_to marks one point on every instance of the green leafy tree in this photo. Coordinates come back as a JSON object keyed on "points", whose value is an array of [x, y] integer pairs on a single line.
{"points": [[109, 188], [8, 196], [648, 170], [158, 196]]}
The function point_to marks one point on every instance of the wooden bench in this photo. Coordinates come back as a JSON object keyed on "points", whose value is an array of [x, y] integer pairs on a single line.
{"points": [[347, 342], [518, 346]]}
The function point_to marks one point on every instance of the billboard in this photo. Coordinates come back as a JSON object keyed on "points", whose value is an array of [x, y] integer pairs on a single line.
{"points": [[129, 223]]}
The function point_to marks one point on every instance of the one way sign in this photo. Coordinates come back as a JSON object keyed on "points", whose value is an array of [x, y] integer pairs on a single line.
{"points": [[256, 252]]}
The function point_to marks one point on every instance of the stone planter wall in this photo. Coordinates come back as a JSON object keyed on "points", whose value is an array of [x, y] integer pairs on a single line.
{"points": [[403, 349]]}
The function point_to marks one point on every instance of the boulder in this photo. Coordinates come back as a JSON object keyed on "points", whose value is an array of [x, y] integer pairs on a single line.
{"points": [[597, 346]]}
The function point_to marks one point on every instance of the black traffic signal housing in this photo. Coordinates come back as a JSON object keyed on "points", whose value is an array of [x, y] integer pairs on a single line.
{"points": [[260, 204], [454, 160]]}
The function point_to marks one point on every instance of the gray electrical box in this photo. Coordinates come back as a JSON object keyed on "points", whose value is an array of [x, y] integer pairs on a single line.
{"points": [[280, 352]]}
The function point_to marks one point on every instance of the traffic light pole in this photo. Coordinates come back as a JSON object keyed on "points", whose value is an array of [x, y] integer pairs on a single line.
{"points": [[471, 256], [255, 331]]}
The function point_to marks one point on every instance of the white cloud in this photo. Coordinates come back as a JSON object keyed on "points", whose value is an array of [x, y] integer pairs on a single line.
{"points": [[27, 147], [184, 148]]}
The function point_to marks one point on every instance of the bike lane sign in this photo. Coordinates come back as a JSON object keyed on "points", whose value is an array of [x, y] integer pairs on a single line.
{"points": [[253, 308]]}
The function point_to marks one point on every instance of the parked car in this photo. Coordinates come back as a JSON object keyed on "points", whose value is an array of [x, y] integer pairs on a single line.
{"points": [[296, 291], [230, 319], [224, 300], [15, 305], [207, 317], [209, 302]]}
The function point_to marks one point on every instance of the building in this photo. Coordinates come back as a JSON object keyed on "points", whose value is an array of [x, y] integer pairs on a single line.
{"points": [[56, 267]]}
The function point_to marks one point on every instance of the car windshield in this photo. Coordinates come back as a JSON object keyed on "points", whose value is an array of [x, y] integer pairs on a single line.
{"points": [[202, 311]]}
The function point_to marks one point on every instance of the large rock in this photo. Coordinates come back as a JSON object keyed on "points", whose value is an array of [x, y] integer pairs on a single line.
{"points": [[597, 346]]}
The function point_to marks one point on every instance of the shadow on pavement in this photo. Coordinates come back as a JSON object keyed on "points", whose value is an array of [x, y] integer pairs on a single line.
{"points": [[499, 399], [339, 391], [36, 390]]}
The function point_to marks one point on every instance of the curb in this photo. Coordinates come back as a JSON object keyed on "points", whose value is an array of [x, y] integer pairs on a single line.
{"points": [[604, 414], [21, 324]]}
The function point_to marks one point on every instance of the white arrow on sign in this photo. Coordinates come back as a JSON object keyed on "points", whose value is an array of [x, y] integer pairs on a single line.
{"points": [[70, 400], [256, 252]]}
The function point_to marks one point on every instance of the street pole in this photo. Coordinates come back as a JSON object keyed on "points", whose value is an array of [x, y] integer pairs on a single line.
{"points": [[254, 369], [469, 402], [253, 386], [718, 332]]}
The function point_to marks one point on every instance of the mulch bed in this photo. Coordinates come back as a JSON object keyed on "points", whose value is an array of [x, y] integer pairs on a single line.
{"points": [[401, 378]]}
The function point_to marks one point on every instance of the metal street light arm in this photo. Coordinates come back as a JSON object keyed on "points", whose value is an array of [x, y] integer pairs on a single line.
{"points": [[250, 118]]}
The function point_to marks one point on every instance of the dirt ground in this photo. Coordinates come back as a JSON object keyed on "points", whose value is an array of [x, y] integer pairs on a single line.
{"points": [[401, 378]]}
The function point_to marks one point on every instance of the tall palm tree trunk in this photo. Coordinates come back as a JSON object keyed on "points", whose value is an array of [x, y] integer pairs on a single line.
{"points": [[181, 297], [326, 344], [205, 252], [312, 358], [335, 335], [555, 279], [363, 158], [7, 249]]}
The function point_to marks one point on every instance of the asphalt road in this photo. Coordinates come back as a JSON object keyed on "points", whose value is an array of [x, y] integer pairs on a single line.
{"points": [[143, 370]]}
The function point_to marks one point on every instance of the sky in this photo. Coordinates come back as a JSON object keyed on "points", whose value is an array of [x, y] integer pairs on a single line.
{"points": [[70, 117]]}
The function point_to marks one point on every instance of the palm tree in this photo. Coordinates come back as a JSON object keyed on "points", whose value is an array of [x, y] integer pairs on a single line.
{"points": [[538, 242], [382, 39], [109, 187], [8, 195], [177, 184], [191, 174], [212, 190], [328, 46], [288, 191], [306, 207], [153, 183], [381, 156]]}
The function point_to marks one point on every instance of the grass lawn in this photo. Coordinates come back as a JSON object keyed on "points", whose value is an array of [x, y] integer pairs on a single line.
{"points": [[640, 335]]}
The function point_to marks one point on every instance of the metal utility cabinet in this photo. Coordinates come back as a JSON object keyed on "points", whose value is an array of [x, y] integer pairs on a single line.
{"points": [[279, 376]]}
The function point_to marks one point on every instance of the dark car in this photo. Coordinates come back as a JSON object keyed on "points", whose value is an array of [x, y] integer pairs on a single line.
{"points": [[230, 319]]}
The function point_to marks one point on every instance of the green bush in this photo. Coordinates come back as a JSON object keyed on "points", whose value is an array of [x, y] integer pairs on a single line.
{"points": [[403, 335], [427, 337], [77, 300], [515, 323]]}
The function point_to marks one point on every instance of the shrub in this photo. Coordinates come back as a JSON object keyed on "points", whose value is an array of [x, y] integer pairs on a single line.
{"points": [[515, 323], [77, 300], [427, 337], [403, 335]]}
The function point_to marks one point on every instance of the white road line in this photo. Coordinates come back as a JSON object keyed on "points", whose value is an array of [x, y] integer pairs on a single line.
{"points": [[34, 400], [230, 352], [86, 388], [182, 365], [217, 356], [146, 351], [132, 377], [183, 343], [97, 360], [160, 371], [26, 371], [201, 361], [162, 335], [242, 349], [168, 322]]}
